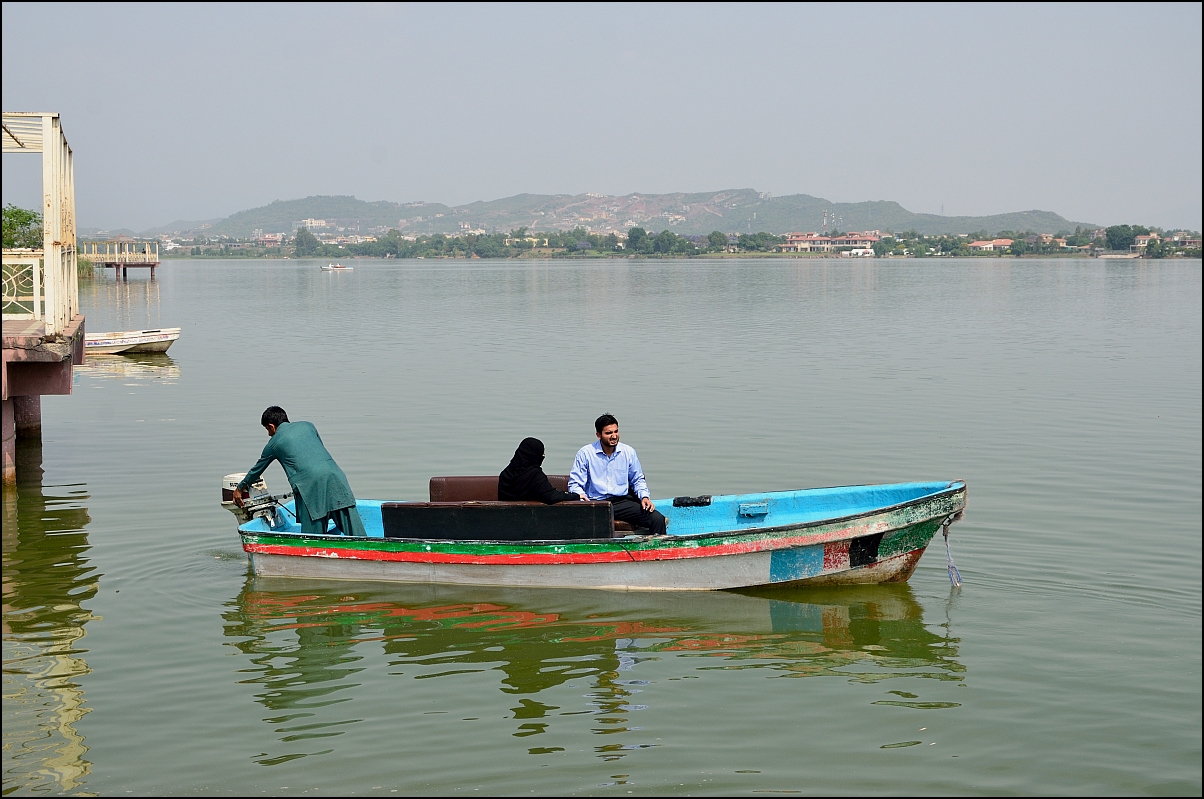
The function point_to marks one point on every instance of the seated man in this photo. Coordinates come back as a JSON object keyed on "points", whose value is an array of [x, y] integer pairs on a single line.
{"points": [[320, 489], [608, 470], [524, 481]]}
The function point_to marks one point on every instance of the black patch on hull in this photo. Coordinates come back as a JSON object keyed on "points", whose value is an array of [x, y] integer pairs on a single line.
{"points": [[864, 551]]}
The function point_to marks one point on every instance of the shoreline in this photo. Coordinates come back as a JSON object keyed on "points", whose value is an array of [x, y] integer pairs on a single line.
{"points": [[560, 256]]}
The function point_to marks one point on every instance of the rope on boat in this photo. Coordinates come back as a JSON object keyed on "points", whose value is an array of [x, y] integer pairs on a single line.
{"points": [[955, 576]]}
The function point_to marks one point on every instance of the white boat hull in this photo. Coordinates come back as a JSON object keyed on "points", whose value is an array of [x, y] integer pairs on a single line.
{"points": [[131, 341], [700, 574]]}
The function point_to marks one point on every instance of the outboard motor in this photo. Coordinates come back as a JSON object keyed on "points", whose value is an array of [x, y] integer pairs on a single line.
{"points": [[258, 504]]}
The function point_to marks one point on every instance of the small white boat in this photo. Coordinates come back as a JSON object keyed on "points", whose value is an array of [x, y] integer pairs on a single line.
{"points": [[337, 268], [128, 341]]}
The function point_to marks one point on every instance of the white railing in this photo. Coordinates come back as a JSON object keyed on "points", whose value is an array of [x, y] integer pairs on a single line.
{"points": [[120, 252], [44, 284], [23, 287]]}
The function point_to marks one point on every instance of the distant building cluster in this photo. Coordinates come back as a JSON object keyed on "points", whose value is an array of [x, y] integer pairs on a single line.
{"points": [[309, 224], [994, 245], [857, 244]]}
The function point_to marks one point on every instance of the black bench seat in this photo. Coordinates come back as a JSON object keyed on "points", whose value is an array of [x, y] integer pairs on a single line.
{"points": [[497, 521]]}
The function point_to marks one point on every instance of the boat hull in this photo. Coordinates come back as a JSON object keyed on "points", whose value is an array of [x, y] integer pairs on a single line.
{"points": [[709, 574], [874, 547], [132, 341]]}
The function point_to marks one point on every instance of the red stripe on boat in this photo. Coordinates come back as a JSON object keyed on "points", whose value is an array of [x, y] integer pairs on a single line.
{"points": [[831, 561]]}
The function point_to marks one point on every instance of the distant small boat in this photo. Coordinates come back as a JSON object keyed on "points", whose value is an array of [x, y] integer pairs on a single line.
{"points": [[337, 268], [129, 341]]}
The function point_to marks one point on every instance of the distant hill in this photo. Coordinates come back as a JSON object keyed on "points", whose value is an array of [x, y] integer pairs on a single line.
{"points": [[342, 211], [104, 233], [731, 211], [182, 224]]}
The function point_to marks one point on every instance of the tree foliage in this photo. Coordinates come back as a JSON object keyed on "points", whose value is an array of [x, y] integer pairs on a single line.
{"points": [[22, 228], [759, 242], [307, 244], [1121, 237]]}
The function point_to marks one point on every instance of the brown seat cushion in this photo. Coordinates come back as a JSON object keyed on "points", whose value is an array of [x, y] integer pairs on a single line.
{"points": [[483, 488], [479, 488]]}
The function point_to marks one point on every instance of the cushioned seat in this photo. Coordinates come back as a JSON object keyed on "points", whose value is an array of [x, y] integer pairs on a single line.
{"points": [[483, 488]]}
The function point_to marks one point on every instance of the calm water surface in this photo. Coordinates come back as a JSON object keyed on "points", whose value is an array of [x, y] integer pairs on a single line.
{"points": [[140, 655]]}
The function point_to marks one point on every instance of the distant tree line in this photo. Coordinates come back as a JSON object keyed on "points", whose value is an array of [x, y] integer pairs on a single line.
{"points": [[1116, 238], [568, 243], [638, 241]]}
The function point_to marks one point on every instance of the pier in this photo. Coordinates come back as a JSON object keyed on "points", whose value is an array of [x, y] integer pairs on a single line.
{"points": [[121, 253], [43, 334]]}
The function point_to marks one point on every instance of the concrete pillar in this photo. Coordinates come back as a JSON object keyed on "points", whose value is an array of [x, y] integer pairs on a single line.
{"points": [[27, 416], [29, 463], [10, 444]]}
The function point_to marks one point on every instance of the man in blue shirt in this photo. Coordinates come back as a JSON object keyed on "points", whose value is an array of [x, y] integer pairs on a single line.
{"points": [[608, 470]]}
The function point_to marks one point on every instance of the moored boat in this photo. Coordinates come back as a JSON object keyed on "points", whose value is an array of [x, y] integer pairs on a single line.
{"points": [[820, 536], [131, 341]]}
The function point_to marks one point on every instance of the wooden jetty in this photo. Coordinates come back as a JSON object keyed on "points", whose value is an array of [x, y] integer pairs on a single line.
{"points": [[122, 253]]}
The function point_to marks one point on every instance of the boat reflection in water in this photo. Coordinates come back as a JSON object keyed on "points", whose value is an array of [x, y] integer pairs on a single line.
{"points": [[142, 366], [309, 640], [46, 577]]}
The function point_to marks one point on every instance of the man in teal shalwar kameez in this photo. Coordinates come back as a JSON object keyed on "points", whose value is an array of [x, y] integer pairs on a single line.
{"points": [[320, 489]]}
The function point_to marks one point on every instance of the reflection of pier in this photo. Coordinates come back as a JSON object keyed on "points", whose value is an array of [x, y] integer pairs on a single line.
{"points": [[121, 253], [47, 581]]}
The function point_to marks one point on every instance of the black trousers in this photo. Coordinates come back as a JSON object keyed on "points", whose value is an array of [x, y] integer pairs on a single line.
{"points": [[627, 509]]}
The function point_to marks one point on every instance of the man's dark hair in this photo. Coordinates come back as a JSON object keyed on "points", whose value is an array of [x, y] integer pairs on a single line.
{"points": [[605, 420], [273, 415]]}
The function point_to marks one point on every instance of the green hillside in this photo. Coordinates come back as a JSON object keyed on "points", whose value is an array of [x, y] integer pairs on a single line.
{"points": [[697, 213], [342, 210]]}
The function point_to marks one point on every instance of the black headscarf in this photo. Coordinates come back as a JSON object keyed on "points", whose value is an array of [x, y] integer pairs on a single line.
{"points": [[524, 477]]}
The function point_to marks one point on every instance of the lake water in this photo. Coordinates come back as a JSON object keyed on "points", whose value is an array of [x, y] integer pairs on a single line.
{"points": [[140, 656]]}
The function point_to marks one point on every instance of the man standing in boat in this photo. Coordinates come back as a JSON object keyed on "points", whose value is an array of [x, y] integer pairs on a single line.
{"points": [[608, 470], [320, 489]]}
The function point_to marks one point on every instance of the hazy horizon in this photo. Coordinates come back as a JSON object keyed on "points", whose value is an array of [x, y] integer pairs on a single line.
{"points": [[196, 112]]}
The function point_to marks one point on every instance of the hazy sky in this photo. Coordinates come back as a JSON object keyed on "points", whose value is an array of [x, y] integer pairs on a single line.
{"points": [[198, 111]]}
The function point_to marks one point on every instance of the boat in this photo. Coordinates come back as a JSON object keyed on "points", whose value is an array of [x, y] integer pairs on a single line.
{"points": [[337, 268], [818, 536], [130, 341]]}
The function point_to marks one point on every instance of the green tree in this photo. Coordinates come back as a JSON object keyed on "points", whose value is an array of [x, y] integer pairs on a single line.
{"points": [[637, 239], [1155, 249], [758, 242], [1019, 247], [307, 243], [1121, 237], [717, 239], [491, 247], [664, 241], [22, 228]]}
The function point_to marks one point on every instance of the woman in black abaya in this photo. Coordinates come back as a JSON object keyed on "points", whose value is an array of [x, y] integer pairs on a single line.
{"points": [[524, 480]]}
